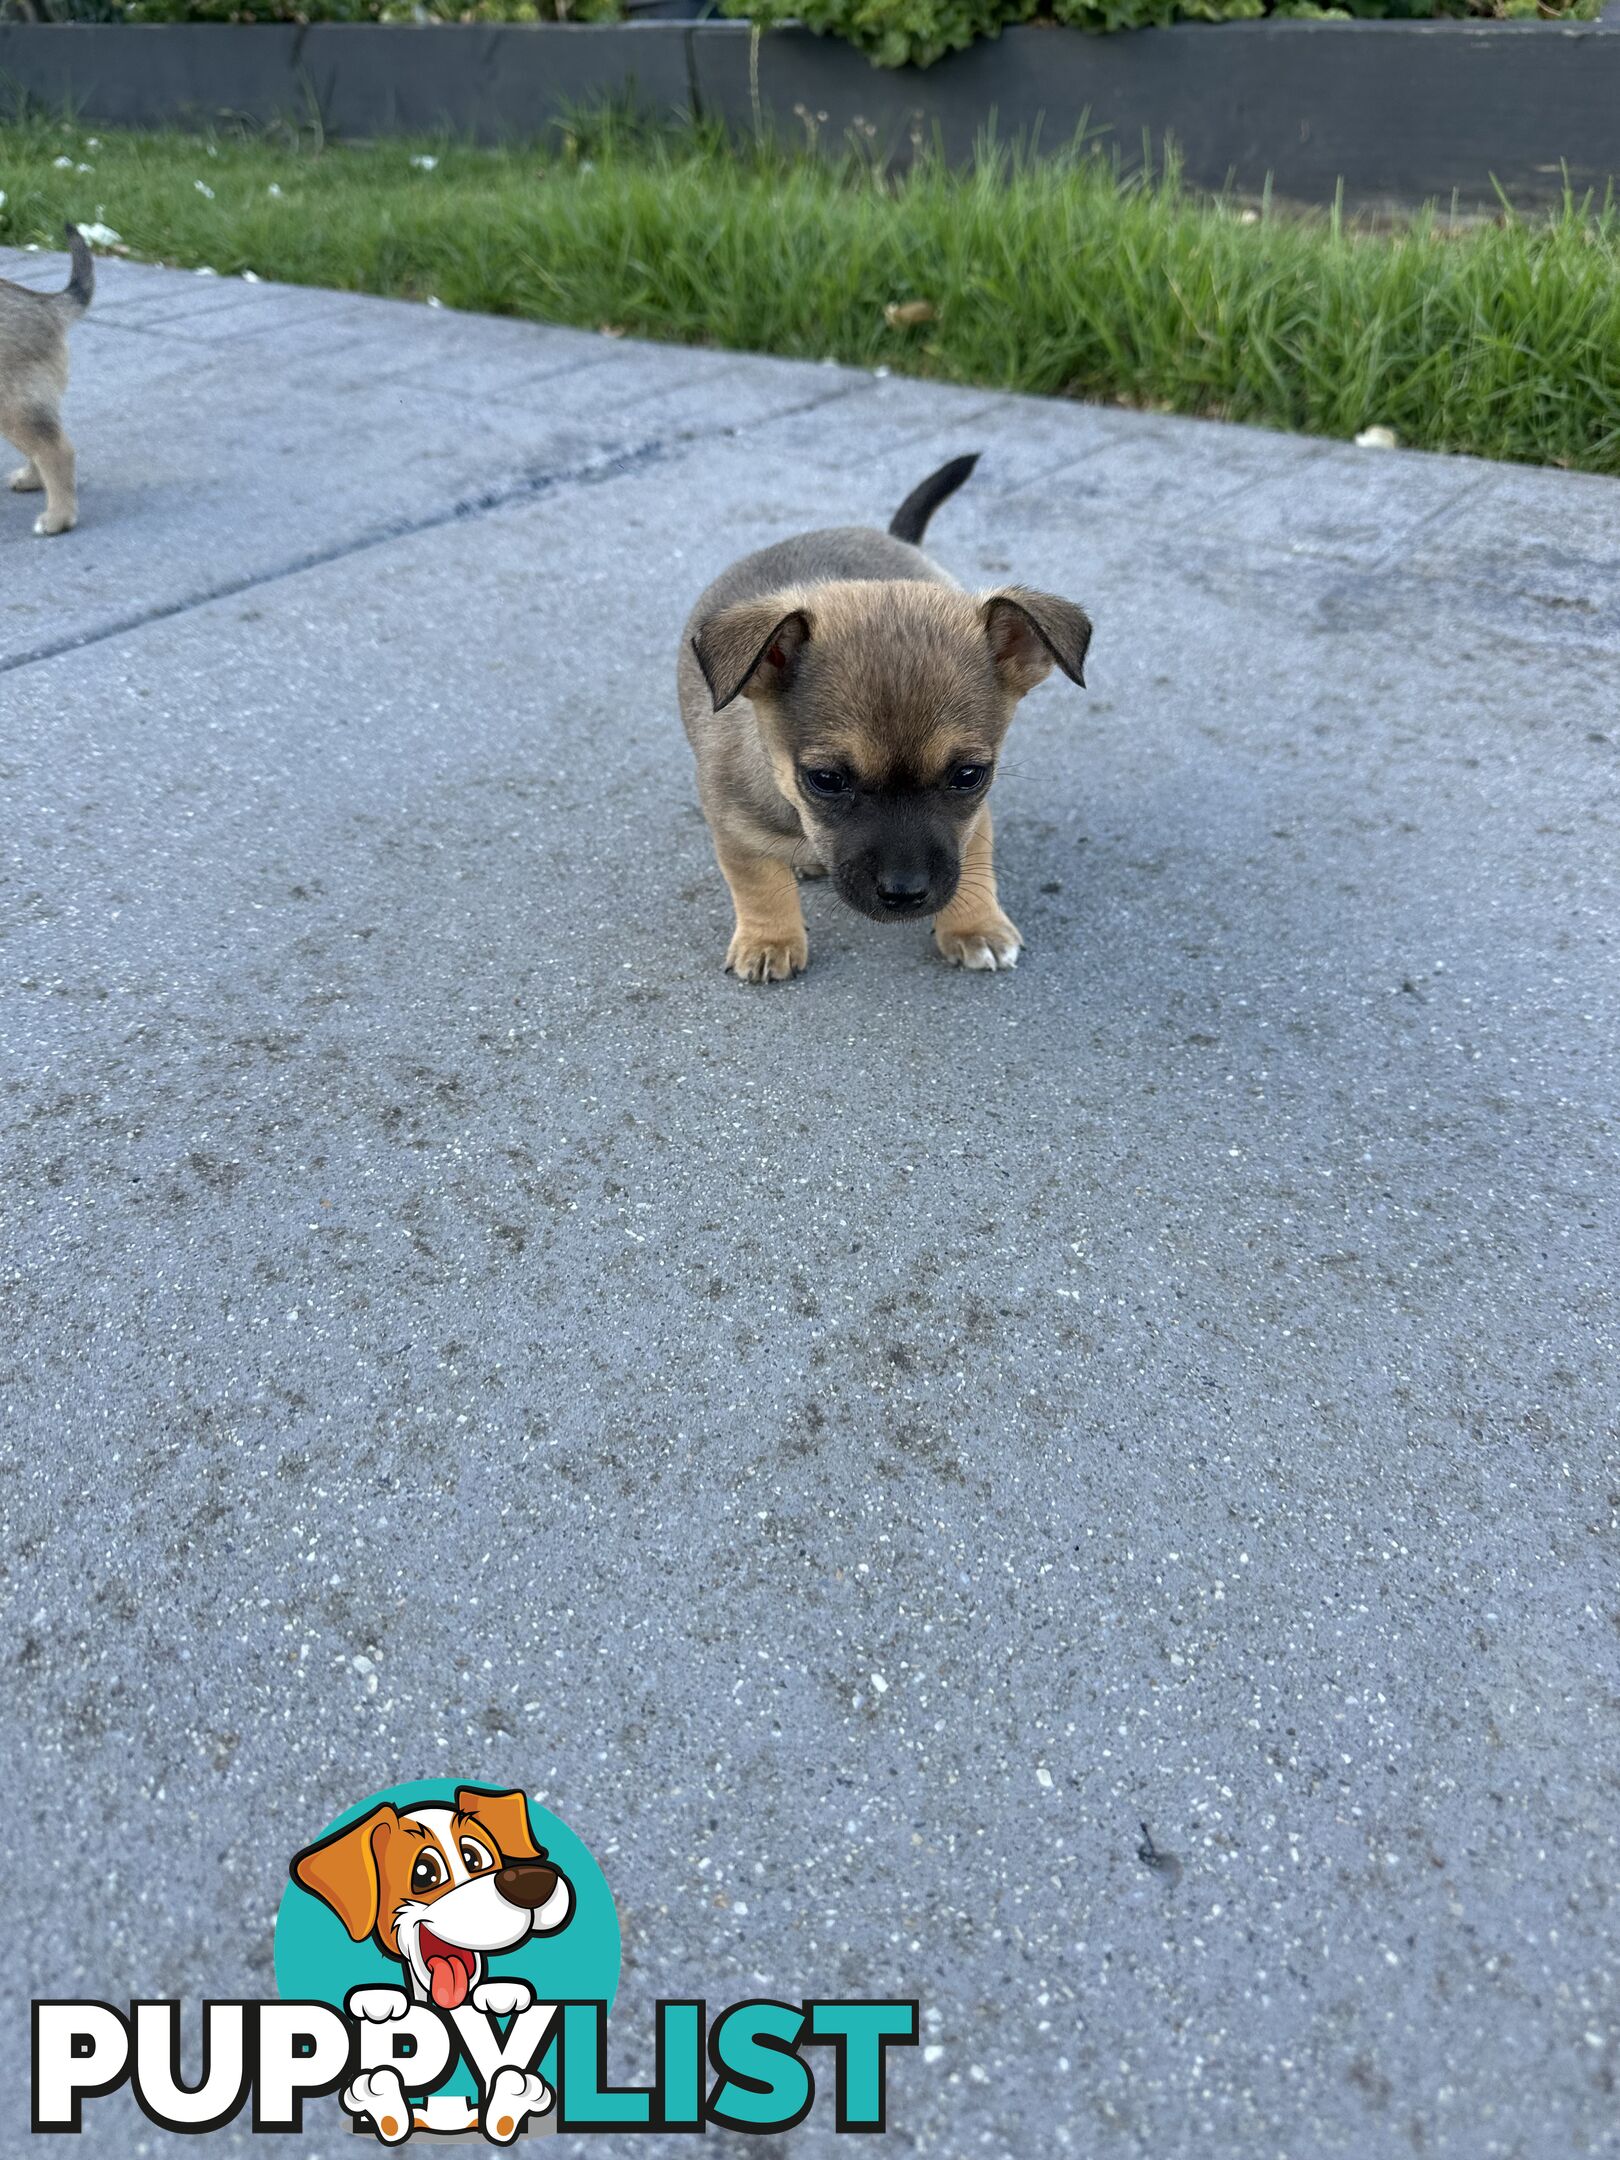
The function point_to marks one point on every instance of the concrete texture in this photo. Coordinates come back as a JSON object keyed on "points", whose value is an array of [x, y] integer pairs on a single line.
{"points": [[857, 1448]]}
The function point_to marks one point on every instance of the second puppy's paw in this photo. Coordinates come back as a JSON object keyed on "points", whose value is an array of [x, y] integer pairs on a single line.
{"points": [[767, 955], [987, 945], [26, 480]]}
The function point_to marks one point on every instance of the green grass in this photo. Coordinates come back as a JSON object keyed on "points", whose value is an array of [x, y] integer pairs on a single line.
{"points": [[1498, 338]]}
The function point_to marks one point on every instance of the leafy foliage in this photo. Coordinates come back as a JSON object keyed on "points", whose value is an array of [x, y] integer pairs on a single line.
{"points": [[368, 11], [900, 33]]}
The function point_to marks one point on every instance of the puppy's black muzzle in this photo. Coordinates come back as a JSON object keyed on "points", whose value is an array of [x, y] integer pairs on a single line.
{"points": [[897, 890]]}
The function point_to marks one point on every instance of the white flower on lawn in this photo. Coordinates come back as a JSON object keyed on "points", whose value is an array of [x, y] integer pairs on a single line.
{"points": [[424, 163], [100, 235], [203, 188], [273, 189], [207, 270], [84, 168], [63, 164], [2, 198], [92, 142], [251, 277]]}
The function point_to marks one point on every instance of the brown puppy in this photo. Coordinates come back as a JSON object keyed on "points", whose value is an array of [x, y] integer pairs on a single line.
{"points": [[33, 376], [846, 701]]}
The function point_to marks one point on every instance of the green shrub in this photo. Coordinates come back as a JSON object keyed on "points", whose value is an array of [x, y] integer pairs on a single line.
{"points": [[364, 11], [900, 33], [892, 33]]}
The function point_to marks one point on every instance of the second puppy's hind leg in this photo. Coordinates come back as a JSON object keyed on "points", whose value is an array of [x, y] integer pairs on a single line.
{"points": [[50, 458]]}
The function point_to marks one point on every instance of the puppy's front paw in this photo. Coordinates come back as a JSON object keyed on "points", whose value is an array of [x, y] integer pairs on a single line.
{"points": [[767, 955], [502, 1998], [990, 944], [26, 480], [380, 2094], [514, 2095], [60, 521], [377, 2005]]}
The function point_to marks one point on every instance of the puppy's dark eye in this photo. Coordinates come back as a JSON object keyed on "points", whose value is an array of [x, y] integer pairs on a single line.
{"points": [[965, 778], [823, 780], [428, 1872], [473, 1856]]}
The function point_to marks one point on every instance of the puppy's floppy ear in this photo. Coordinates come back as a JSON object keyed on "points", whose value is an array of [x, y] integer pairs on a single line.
{"points": [[505, 1815], [342, 1870], [1028, 630], [753, 646]]}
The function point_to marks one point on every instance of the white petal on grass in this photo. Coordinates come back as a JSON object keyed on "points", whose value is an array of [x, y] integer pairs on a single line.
{"points": [[424, 163], [1378, 438], [273, 188], [100, 235], [251, 277], [203, 188], [63, 164]]}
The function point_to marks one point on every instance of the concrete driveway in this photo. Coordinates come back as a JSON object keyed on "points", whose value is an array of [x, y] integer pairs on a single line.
{"points": [[859, 1449]]}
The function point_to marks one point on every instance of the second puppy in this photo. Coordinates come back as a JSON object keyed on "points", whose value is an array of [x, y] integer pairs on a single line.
{"points": [[846, 701], [33, 376]]}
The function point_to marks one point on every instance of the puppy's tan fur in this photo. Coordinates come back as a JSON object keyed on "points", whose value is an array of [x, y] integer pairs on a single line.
{"points": [[850, 655], [33, 380]]}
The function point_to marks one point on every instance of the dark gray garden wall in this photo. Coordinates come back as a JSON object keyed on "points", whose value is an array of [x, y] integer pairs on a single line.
{"points": [[1397, 111], [491, 81]]}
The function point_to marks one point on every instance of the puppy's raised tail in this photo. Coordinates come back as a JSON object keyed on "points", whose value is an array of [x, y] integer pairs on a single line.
{"points": [[80, 288], [910, 521]]}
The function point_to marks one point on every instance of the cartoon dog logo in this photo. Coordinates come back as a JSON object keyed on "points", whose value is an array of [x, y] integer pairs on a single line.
{"points": [[442, 1889]]}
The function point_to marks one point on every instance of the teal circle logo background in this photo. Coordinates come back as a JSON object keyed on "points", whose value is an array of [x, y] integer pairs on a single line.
{"points": [[316, 1962]]}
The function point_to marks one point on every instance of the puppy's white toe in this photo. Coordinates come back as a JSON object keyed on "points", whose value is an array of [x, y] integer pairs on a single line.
{"points": [[45, 524], [986, 950]]}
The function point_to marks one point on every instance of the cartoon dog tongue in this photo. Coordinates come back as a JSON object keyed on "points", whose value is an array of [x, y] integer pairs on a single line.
{"points": [[447, 1978]]}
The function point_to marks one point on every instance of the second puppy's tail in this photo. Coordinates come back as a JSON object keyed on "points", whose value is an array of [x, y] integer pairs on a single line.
{"points": [[910, 521], [79, 290]]}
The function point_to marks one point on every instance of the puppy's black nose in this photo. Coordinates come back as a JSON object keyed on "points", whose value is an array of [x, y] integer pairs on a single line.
{"points": [[526, 1882], [903, 892]]}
